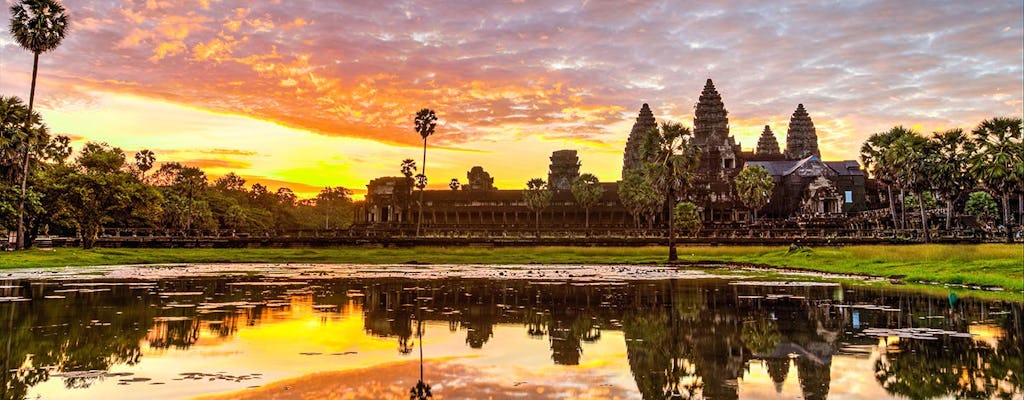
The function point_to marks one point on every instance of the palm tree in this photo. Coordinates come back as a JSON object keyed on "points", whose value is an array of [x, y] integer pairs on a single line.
{"points": [[672, 161], [754, 186], [38, 26], [408, 170], [951, 169], [913, 156], [877, 159], [997, 163], [144, 160], [587, 191], [537, 197], [425, 123]]}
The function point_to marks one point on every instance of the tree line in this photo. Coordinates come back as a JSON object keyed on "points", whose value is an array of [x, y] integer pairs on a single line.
{"points": [[102, 188], [967, 172]]}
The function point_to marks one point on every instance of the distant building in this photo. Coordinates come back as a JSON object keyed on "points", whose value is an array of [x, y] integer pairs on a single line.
{"points": [[805, 185]]}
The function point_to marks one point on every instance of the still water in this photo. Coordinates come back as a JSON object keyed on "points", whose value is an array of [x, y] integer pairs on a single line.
{"points": [[299, 336]]}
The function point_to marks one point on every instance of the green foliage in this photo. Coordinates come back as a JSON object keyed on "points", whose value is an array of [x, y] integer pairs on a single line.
{"points": [[754, 186], [587, 191], [537, 197], [38, 25], [982, 206], [929, 201], [639, 196], [687, 218]]}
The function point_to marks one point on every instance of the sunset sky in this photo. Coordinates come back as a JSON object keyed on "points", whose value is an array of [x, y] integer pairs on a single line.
{"points": [[311, 94]]}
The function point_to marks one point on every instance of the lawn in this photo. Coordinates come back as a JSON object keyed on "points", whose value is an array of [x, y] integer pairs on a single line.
{"points": [[984, 265]]}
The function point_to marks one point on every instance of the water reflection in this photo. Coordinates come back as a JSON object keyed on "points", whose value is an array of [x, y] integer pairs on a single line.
{"points": [[682, 339]]}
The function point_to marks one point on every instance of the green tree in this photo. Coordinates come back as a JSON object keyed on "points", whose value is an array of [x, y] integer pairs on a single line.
{"points": [[144, 160], [878, 160], [14, 140], [408, 170], [951, 171], [982, 206], [424, 124], [754, 186], [335, 204], [687, 218], [999, 161], [587, 191], [537, 197], [38, 26], [672, 160], [913, 158], [639, 196]]}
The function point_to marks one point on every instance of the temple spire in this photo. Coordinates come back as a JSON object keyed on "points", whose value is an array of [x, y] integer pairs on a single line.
{"points": [[767, 144], [710, 117], [644, 123], [801, 139]]}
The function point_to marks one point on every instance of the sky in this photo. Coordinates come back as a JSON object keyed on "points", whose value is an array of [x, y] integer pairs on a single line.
{"points": [[308, 94]]}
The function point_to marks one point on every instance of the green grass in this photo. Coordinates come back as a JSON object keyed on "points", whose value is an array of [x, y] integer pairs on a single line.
{"points": [[986, 265]]}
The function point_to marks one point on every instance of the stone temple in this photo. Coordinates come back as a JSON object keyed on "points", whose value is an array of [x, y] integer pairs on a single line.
{"points": [[805, 185]]}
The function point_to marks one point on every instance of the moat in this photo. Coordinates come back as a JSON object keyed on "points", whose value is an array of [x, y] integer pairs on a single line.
{"points": [[629, 332]]}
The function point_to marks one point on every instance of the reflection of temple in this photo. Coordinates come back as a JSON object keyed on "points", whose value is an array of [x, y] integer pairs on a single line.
{"points": [[805, 186]]}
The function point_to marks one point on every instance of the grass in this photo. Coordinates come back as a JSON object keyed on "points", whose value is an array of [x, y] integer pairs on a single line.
{"points": [[999, 265]]}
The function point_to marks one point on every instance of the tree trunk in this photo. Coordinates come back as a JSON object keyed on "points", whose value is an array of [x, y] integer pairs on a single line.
{"points": [[903, 208], [419, 217], [672, 254], [924, 216], [892, 206], [1006, 217], [949, 213], [586, 211], [537, 224], [24, 170]]}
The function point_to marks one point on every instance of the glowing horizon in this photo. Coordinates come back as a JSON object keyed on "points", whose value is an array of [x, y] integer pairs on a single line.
{"points": [[308, 95]]}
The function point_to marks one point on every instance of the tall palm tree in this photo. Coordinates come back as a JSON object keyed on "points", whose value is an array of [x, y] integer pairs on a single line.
{"points": [[537, 197], [878, 160], [951, 170], [997, 163], [672, 162], [754, 186], [408, 170], [587, 191], [913, 155], [425, 123], [144, 160], [38, 26]]}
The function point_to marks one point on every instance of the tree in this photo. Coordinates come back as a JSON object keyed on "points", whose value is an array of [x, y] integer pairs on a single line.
{"points": [[638, 195], [537, 197], [754, 186], [999, 161], [982, 207], [687, 218], [877, 159], [587, 191], [38, 26], [144, 160], [424, 124], [913, 158], [14, 140], [671, 162], [454, 184], [335, 204], [951, 169], [408, 170]]}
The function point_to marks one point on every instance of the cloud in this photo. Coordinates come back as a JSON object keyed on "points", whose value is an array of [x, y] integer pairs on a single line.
{"points": [[499, 71]]}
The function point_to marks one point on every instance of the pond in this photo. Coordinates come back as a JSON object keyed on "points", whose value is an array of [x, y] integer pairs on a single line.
{"points": [[528, 332]]}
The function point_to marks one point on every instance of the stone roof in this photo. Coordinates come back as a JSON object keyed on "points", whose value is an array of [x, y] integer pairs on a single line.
{"points": [[644, 122], [767, 144], [801, 138], [787, 167]]}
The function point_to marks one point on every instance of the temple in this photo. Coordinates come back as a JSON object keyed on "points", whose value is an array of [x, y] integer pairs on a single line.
{"points": [[805, 185]]}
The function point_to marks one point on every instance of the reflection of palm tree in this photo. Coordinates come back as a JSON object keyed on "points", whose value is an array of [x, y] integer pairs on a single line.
{"points": [[778, 370], [422, 390]]}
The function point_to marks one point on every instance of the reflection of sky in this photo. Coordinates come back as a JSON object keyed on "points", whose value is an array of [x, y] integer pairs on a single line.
{"points": [[510, 362]]}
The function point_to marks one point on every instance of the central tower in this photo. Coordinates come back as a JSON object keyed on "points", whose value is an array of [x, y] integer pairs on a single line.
{"points": [[710, 119]]}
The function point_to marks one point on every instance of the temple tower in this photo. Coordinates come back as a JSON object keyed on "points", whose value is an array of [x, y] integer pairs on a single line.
{"points": [[644, 123], [710, 119], [478, 180], [801, 139], [767, 144], [565, 167]]}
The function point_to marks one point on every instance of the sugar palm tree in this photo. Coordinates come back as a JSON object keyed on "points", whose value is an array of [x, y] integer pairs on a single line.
{"points": [[914, 158], [673, 160], [878, 160], [754, 186], [587, 191], [951, 172], [38, 26], [144, 160], [424, 124], [537, 197], [998, 161]]}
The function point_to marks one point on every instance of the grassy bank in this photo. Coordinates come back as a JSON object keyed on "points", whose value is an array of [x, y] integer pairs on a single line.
{"points": [[986, 265]]}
